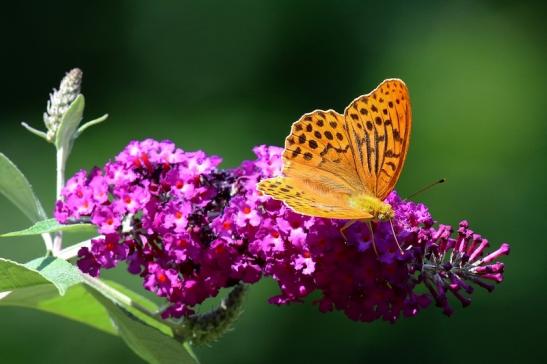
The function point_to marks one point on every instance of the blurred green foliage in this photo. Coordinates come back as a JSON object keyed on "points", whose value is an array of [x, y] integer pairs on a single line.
{"points": [[225, 76]]}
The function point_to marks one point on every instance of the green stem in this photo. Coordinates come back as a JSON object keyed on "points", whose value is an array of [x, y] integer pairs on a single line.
{"points": [[116, 296], [72, 251], [48, 242], [61, 163]]}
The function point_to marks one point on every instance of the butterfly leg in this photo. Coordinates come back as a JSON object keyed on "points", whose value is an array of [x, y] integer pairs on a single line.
{"points": [[372, 237], [395, 237], [345, 227]]}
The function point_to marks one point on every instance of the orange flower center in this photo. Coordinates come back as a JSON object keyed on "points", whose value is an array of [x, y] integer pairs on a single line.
{"points": [[162, 278]]}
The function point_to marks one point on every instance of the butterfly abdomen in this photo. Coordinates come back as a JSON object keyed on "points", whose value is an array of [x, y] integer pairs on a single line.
{"points": [[379, 210]]}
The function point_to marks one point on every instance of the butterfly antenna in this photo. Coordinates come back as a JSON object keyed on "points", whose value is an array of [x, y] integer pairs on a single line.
{"points": [[395, 237], [442, 180]]}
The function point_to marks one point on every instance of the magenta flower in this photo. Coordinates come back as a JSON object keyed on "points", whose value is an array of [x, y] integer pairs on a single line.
{"points": [[450, 265], [192, 229], [162, 282], [107, 220]]}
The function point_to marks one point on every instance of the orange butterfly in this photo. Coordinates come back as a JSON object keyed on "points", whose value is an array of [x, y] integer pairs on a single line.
{"points": [[343, 166]]}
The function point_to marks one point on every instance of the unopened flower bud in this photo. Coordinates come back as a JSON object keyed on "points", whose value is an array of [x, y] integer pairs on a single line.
{"points": [[60, 100]]}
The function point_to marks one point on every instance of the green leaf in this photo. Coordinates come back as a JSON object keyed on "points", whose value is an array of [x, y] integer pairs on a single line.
{"points": [[58, 271], [17, 189], [41, 271], [37, 132], [37, 285], [91, 123], [50, 226], [188, 348], [77, 304], [69, 124], [14, 275], [146, 341]]}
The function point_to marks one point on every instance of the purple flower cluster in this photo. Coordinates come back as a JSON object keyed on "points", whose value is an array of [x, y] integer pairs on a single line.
{"points": [[190, 229]]}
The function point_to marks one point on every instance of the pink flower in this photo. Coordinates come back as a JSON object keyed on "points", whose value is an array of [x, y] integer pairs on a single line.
{"points": [[193, 229], [161, 281], [106, 220]]}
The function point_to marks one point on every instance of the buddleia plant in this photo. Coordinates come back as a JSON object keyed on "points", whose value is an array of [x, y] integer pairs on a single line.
{"points": [[191, 231]]}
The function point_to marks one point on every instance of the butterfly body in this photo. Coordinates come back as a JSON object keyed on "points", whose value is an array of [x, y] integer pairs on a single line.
{"points": [[342, 166]]}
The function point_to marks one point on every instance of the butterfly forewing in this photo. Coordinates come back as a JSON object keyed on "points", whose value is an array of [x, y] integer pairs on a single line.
{"points": [[379, 126], [318, 148], [319, 169]]}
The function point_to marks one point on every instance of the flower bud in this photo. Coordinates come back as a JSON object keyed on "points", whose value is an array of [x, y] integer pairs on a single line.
{"points": [[60, 100]]}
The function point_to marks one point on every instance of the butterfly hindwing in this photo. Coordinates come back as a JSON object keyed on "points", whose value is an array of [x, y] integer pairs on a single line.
{"points": [[379, 126], [310, 198]]}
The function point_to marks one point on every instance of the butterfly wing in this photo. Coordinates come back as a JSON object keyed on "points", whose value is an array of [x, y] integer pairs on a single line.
{"points": [[330, 157], [379, 126], [319, 168], [311, 198], [318, 149]]}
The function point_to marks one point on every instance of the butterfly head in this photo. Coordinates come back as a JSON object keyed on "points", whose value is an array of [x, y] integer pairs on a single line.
{"points": [[379, 210], [383, 212]]}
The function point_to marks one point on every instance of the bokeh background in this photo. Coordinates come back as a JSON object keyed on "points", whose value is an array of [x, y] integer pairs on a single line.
{"points": [[225, 76]]}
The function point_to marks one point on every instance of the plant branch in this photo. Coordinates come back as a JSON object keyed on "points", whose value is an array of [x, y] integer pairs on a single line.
{"points": [[72, 251], [115, 295], [60, 179], [48, 242]]}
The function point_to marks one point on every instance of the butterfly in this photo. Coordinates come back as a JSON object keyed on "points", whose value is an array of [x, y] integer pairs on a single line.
{"points": [[342, 166]]}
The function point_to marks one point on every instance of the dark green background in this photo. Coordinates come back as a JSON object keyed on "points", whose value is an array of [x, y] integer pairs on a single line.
{"points": [[225, 76]]}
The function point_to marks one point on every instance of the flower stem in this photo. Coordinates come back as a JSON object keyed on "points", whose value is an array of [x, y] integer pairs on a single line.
{"points": [[48, 242], [116, 295], [72, 251], [61, 163]]}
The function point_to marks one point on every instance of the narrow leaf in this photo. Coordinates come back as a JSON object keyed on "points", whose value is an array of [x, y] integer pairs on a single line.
{"points": [[50, 226], [69, 123], [37, 132], [17, 189], [91, 123], [147, 342]]}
